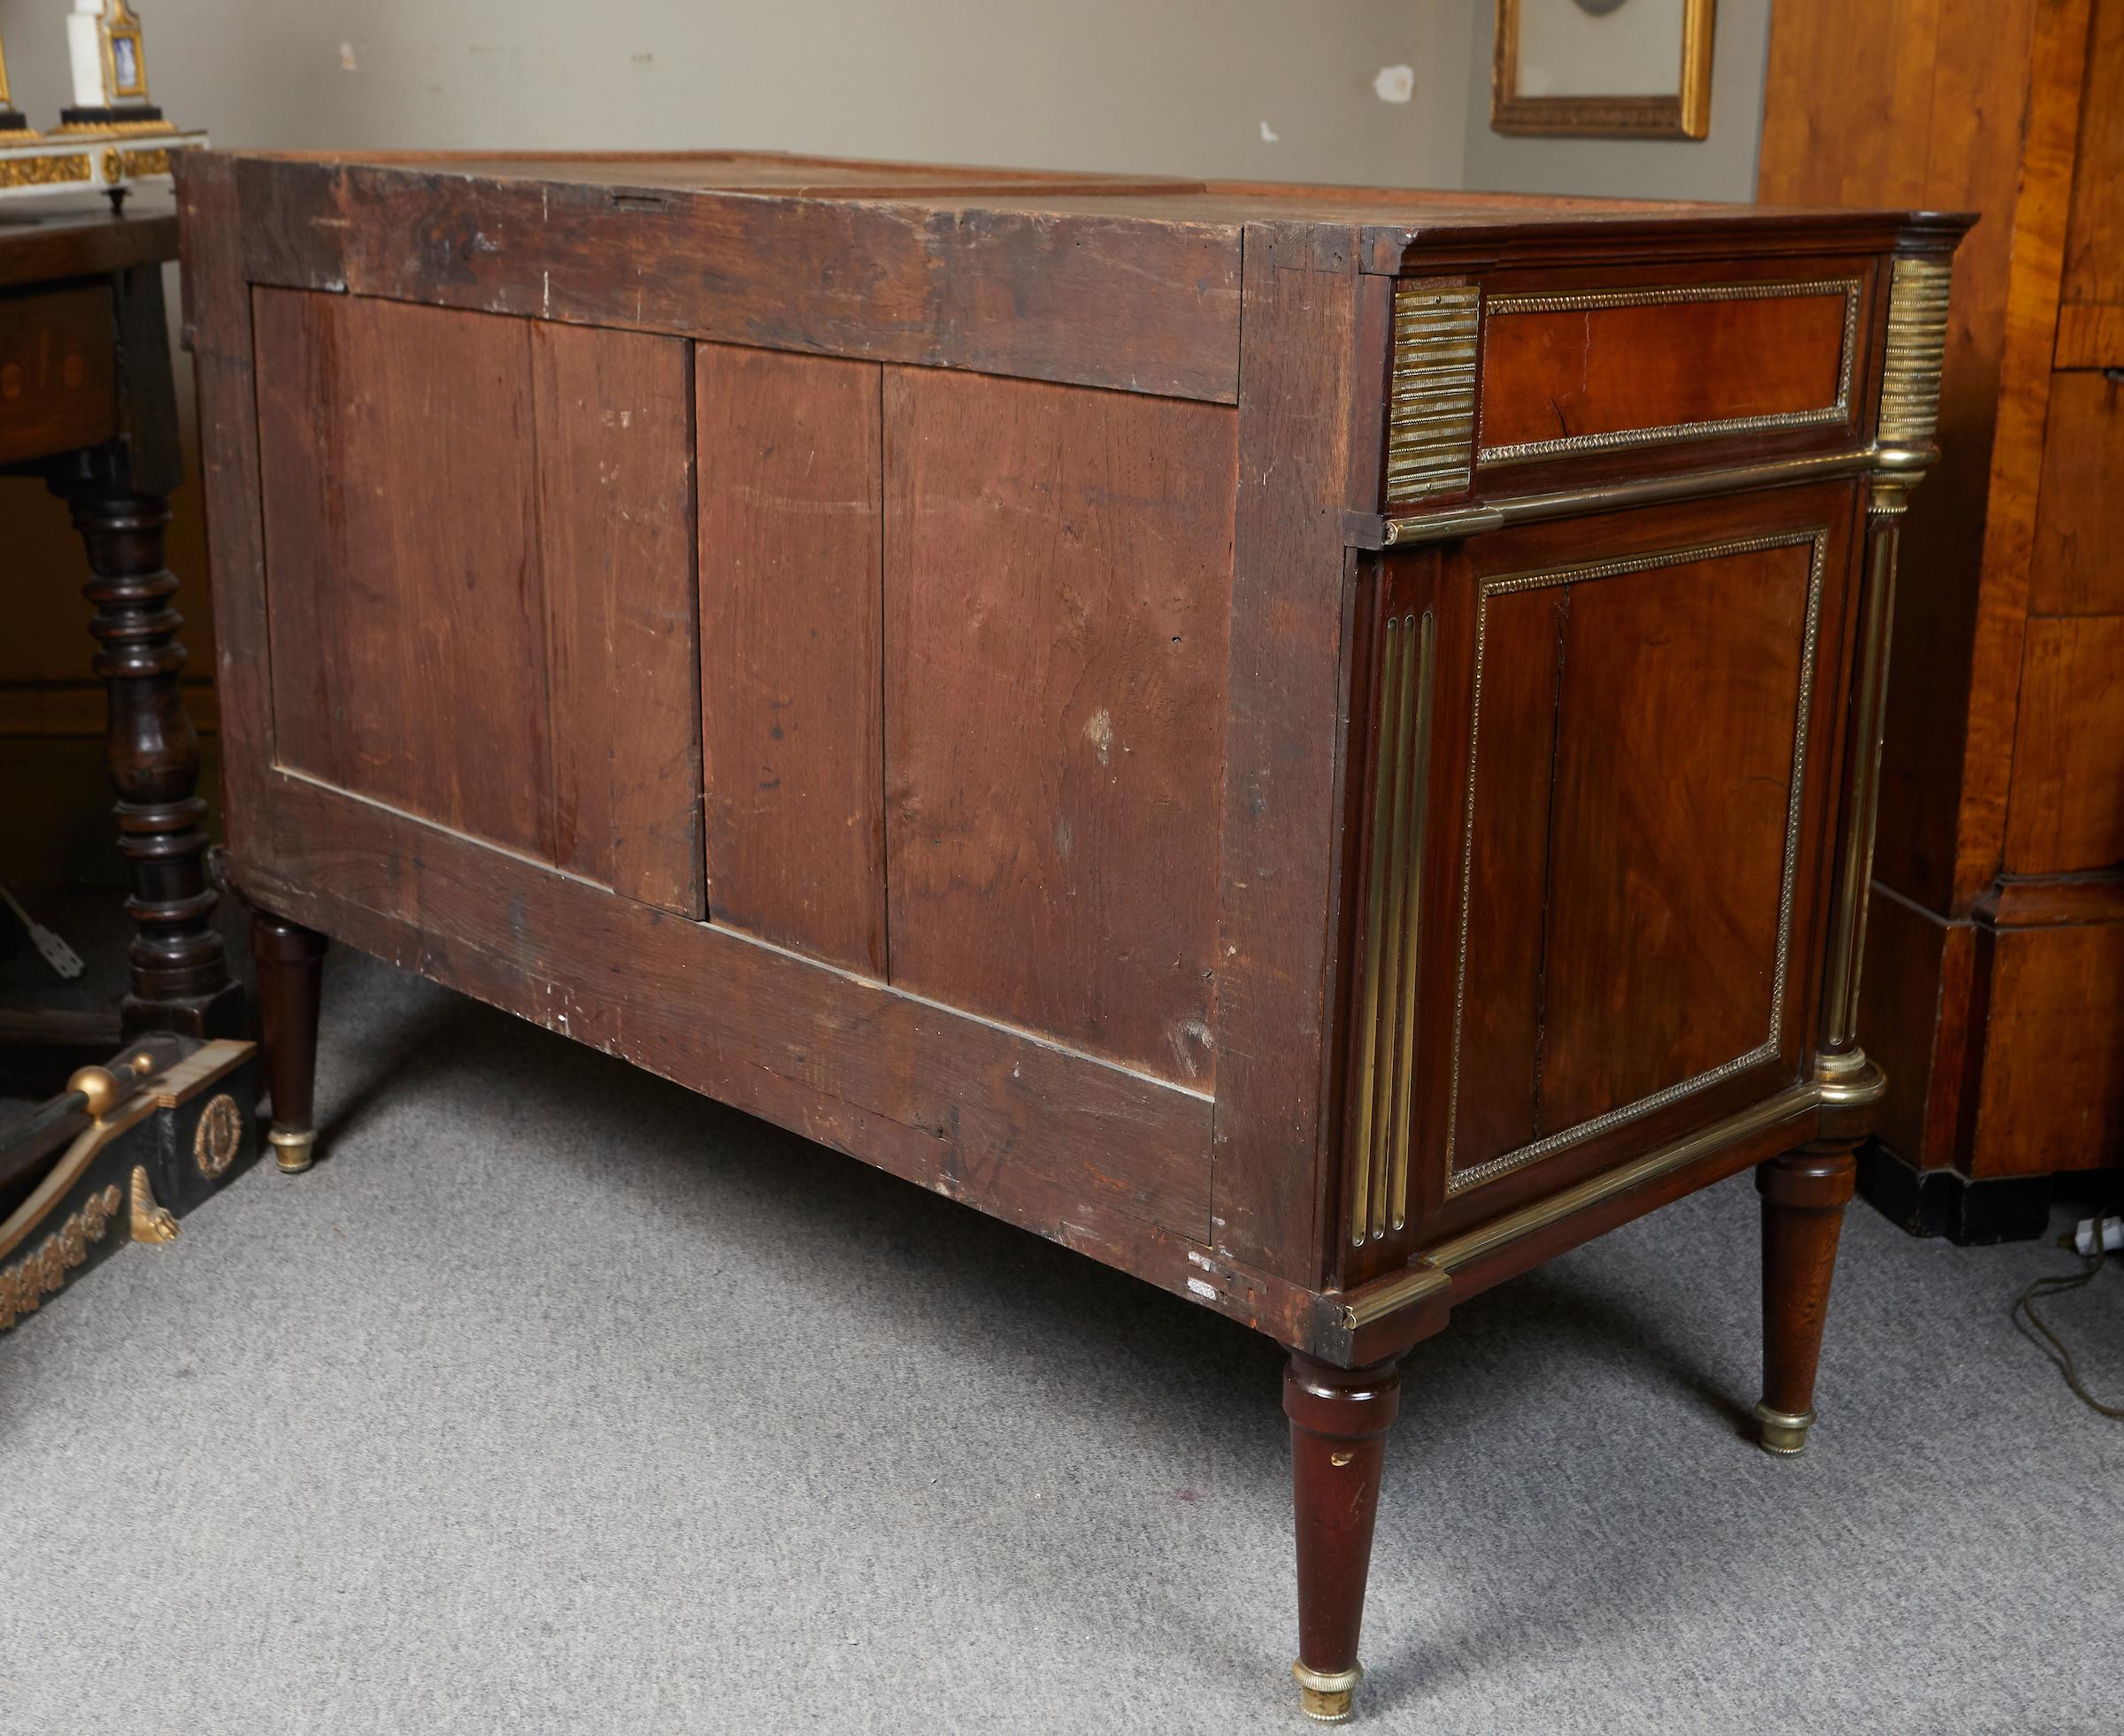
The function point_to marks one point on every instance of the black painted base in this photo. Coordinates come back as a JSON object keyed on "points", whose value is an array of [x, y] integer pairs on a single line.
{"points": [[13, 120], [1946, 1202], [108, 117]]}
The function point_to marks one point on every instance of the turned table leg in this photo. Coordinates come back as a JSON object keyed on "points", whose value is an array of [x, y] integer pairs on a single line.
{"points": [[1805, 1193], [1339, 1419], [180, 976], [290, 960]]}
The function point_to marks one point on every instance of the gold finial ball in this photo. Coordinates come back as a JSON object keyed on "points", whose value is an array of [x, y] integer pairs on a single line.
{"points": [[100, 1087]]}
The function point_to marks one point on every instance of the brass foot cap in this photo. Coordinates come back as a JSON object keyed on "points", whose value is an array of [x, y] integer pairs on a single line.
{"points": [[1782, 1432], [1325, 1697], [293, 1152]]}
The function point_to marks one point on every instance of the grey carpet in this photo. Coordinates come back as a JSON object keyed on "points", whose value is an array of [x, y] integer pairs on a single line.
{"points": [[559, 1399]]}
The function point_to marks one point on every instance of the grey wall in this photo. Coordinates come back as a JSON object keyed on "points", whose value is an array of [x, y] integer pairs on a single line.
{"points": [[1720, 166], [1179, 85]]}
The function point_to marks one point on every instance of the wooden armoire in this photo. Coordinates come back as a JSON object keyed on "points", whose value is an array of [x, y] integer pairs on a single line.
{"points": [[1994, 965]]}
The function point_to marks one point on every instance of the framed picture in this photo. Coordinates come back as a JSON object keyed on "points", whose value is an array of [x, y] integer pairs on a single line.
{"points": [[1612, 68]]}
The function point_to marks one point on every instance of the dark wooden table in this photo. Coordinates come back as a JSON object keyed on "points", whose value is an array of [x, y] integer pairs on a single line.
{"points": [[88, 402]]}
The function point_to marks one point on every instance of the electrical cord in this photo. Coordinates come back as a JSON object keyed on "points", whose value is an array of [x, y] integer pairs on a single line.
{"points": [[2059, 1352]]}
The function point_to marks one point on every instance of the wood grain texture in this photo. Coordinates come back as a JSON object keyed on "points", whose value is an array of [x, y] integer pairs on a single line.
{"points": [[1508, 887], [614, 468], [218, 309], [1287, 719], [2090, 336], [1673, 779], [1057, 568], [791, 676], [2053, 1057], [1550, 375], [2068, 757], [1970, 104], [2078, 566], [486, 520], [1085, 299], [1060, 1142], [59, 373], [2059, 66], [2093, 245], [401, 529]]}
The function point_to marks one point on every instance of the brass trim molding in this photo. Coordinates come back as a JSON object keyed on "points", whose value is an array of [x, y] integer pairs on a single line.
{"points": [[50, 169], [1496, 514], [1431, 412], [1526, 451], [1458, 1181], [1430, 1271], [1379, 1156], [1919, 292]]}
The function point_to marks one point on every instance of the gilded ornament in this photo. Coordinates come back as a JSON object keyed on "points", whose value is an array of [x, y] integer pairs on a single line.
{"points": [[218, 1137]]}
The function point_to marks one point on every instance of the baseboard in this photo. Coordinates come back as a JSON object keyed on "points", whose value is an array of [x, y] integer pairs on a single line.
{"points": [[1946, 1202]]}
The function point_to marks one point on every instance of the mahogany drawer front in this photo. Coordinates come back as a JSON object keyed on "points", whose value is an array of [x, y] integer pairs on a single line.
{"points": [[59, 373], [1525, 380]]}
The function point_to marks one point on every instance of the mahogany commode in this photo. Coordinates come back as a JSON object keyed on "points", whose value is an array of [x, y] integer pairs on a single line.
{"points": [[1316, 746]]}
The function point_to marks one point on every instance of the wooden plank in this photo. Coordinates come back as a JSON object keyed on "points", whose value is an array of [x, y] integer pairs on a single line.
{"points": [[614, 472], [1057, 573], [1567, 373], [217, 310], [1281, 917], [2076, 569], [2093, 245], [1508, 881], [59, 373], [1091, 300], [2058, 63], [995, 1116], [2090, 336], [2068, 755], [792, 683], [2053, 1095], [1673, 785], [401, 530]]}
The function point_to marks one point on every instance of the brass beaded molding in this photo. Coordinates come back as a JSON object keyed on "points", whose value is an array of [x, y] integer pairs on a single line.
{"points": [[1459, 1180]]}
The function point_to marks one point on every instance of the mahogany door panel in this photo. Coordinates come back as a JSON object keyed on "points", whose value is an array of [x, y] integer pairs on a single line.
{"points": [[1500, 1002], [1057, 585], [791, 681], [1631, 769], [483, 521]]}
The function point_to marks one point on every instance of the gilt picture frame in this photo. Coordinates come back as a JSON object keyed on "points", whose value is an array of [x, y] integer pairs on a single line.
{"points": [[1602, 68]]}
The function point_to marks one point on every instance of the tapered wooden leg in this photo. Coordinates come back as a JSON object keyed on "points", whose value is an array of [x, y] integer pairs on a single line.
{"points": [[1805, 1193], [290, 960], [1339, 1419]]}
